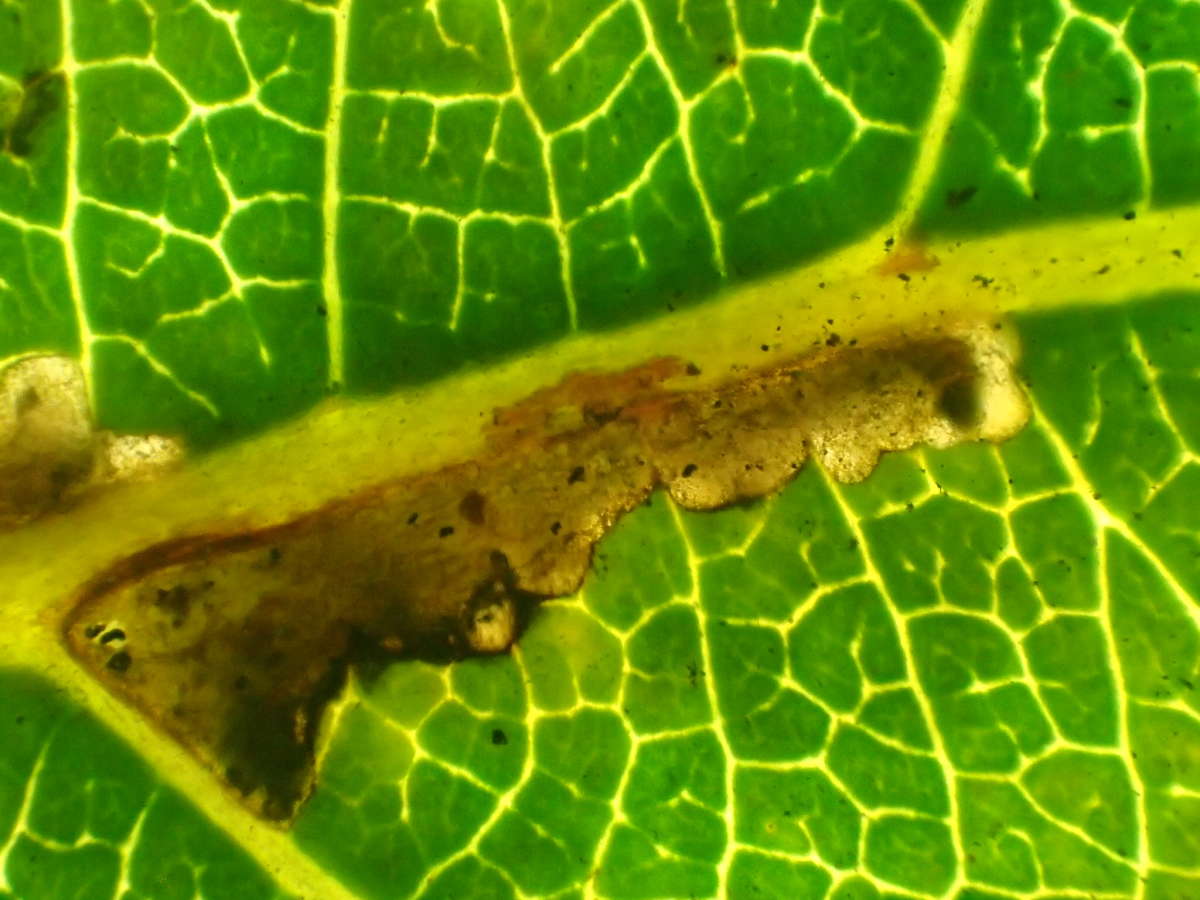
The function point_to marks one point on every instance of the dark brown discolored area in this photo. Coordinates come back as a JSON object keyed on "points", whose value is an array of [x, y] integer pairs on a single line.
{"points": [[235, 643], [41, 97]]}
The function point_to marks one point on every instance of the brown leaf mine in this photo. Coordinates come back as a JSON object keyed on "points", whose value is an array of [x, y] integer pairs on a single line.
{"points": [[234, 643]]}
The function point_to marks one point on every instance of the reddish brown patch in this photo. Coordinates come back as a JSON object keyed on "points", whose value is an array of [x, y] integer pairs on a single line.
{"points": [[235, 642], [906, 260]]}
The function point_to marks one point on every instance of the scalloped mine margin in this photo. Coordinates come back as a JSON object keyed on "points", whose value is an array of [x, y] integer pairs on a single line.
{"points": [[235, 643]]}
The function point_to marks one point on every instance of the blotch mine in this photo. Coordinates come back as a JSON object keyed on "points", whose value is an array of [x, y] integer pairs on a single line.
{"points": [[235, 642]]}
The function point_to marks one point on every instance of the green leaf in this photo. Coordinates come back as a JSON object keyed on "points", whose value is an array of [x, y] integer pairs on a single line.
{"points": [[84, 817], [973, 674]]}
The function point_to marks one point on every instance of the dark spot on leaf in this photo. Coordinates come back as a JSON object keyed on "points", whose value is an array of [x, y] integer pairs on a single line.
{"points": [[115, 635], [120, 662], [959, 402], [176, 600], [269, 740], [596, 415], [1129, 216], [472, 507], [446, 531], [556, 527], [42, 95], [956, 197], [689, 470], [92, 631], [577, 475], [28, 401], [499, 738]]}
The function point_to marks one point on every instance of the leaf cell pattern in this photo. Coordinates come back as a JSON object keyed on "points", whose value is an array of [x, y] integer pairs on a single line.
{"points": [[1072, 108], [82, 817], [227, 208], [971, 675]]}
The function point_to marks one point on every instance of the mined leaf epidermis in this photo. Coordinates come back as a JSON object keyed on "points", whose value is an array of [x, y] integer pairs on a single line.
{"points": [[235, 641]]}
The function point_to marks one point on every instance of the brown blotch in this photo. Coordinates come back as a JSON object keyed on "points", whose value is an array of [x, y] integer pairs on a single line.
{"points": [[906, 259], [238, 659], [472, 507], [175, 600]]}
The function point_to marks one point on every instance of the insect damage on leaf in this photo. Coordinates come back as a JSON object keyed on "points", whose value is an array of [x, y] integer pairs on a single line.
{"points": [[234, 643], [26, 108], [50, 453]]}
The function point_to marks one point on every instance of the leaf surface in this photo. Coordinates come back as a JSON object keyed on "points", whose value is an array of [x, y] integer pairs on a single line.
{"points": [[972, 675]]}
